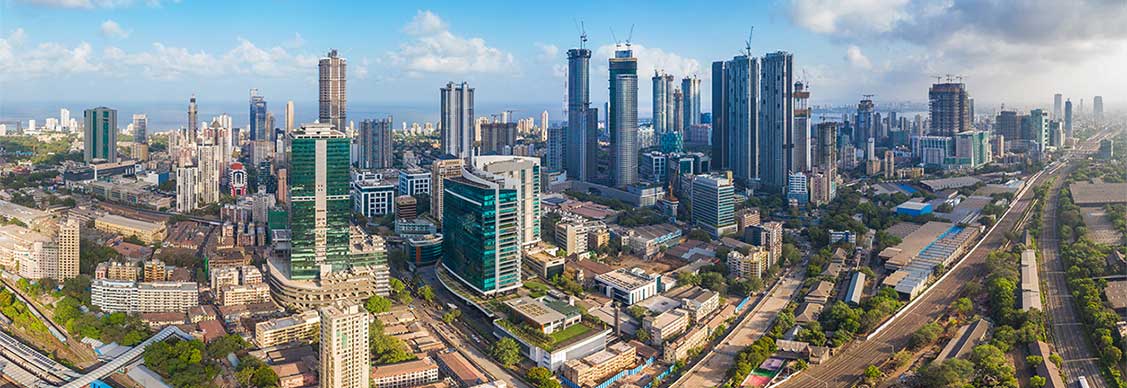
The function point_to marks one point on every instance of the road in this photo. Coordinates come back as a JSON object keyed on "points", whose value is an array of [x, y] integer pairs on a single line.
{"points": [[712, 369], [845, 368]]}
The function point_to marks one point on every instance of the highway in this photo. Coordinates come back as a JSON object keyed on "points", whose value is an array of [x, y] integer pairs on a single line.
{"points": [[712, 369], [845, 367]]}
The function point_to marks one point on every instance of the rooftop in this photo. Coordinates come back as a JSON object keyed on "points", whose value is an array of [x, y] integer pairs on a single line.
{"points": [[626, 279], [403, 368], [1098, 193], [535, 310], [129, 222]]}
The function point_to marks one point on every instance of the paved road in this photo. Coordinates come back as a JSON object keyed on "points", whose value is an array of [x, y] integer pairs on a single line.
{"points": [[711, 370], [845, 368]]}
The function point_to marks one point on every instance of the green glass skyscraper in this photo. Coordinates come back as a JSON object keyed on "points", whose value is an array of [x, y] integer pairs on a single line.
{"points": [[320, 205], [481, 232]]}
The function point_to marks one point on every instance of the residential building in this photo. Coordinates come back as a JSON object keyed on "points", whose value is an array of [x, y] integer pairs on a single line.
{"points": [[1068, 117], [27, 253], [244, 294], [140, 129], [592, 370], [662, 102], [690, 89], [751, 265], [572, 236], [116, 270], [405, 374], [345, 356], [457, 119], [259, 130], [580, 141], [100, 136], [798, 188], [864, 127], [950, 109], [623, 117], [776, 121], [665, 326], [735, 111], [713, 202], [481, 225], [69, 242], [443, 167], [700, 303], [800, 159], [1035, 127], [332, 97], [151, 297], [304, 327], [495, 137], [768, 235], [187, 194], [679, 349], [375, 144]]}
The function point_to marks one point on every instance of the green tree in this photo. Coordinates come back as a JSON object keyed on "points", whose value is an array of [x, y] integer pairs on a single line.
{"points": [[397, 285], [451, 316], [541, 377], [505, 351], [873, 374], [1037, 381], [962, 307], [377, 304], [926, 335], [427, 294]]}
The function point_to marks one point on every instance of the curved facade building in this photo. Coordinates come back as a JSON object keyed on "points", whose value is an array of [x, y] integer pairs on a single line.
{"points": [[354, 285]]}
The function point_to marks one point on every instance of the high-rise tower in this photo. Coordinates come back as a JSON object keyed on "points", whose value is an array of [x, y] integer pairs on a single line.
{"points": [[738, 117], [259, 130], [1057, 112], [950, 108], [662, 102], [581, 143], [457, 119], [690, 91], [345, 355], [623, 124], [776, 120], [863, 125], [1068, 118], [140, 128], [100, 138], [800, 159], [320, 204], [481, 231], [721, 150], [375, 144], [193, 120], [331, 81]]}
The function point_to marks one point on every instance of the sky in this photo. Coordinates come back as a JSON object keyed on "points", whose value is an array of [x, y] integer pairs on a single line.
{"points": [[139, 53]]}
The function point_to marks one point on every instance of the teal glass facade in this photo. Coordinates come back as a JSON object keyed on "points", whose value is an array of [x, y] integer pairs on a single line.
{"points": [[481, 238], [319, 219]]}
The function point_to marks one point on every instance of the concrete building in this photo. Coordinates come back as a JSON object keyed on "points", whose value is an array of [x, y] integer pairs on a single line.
{"points": [[751, 265], [345, 357], [523, 174], [592, 370], [147, 232], [332, 97], [372, 196], [776, 121], [443, 167], [735, 112], [627, 286], [244, 294], [457, 119], [482, 247], [495, 137], [375, 144], [405, 374], [152, 297], [699, 302], [304, 327], [623, 117], [665, 326], [547, 317], [69, 242], [950, 109], [414, 182]]}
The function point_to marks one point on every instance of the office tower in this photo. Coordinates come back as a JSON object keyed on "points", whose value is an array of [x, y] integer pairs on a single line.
{"points": [[481, 232], [289, 116], [581, 140], [776, 120], [800, 157], [258, 129], [1035, 127], [1098, 107], [690, 110], [100, 135], [678, 124], [193, 120], [375, 144], [949, 106], [406, 207], [442, 168], [1057, 115], [67, 263], [1008, 124], [713, 202], [345, 355], [721, 150], [457, 119], [623, 124], [140, 128], [523, 174], [320, 205], [1068, 118], [662, 102], [863, 126], [736, 119], [496, 136], [187, 178], [331, 97]]}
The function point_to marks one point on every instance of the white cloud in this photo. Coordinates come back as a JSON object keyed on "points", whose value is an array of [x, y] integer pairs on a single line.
{"points": [[297, 41], [434, 49], [651, 59], [856, 58], [111, 29], [548, 52], [847, 17]]}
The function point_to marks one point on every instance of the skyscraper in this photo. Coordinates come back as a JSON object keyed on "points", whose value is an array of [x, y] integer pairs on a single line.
{"points": [[713, 201], [1035, 127], [187, 182], [662, 102], [800, 160], [100, 137], [481, 232], [457, 119], [737, 120], [1098, 107], [345, 355], [580, 145], [67, 264], [721, 150], [678, 123], [140, 128], [331, 98], [289, 116], [1057, 106], [825, 152], [320, 205], [863, 123], [623, 116], [776, 121], [375, 144], [259, 130], [193, 120], [949, 105], [690, 111], [1008, 124], [523, 174], [1068, 118]]}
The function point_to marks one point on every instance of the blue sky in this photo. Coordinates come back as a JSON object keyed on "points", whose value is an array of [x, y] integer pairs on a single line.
{"points": [[110, 51]]}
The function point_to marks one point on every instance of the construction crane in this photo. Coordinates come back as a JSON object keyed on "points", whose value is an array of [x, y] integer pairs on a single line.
{"points": [[747, 43], [630, 36], [582, 34]]}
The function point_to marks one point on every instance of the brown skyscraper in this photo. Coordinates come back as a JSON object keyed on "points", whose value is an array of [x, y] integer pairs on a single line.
{"points": [[332, 99], [950, 108]]}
